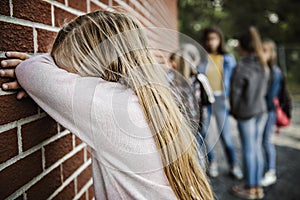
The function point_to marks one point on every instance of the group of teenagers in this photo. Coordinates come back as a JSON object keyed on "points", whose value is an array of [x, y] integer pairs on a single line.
{"points": [[108, 91], [246, 90]]}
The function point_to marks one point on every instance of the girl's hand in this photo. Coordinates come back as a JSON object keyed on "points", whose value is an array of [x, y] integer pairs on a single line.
{"points": [[9, 66]]}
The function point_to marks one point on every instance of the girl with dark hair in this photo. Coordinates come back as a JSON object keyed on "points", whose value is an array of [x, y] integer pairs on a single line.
{"points": [[214, 35], [248, 106], [219, 70]]}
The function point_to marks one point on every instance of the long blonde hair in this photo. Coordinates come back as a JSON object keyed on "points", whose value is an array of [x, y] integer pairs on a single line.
{"points": [[273, 59], [76, 48]]}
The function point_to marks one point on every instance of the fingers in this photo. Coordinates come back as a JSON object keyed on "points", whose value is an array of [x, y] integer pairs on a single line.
{"points": [[21, 94], [10, 62], [11, 86], [15, 59], [14, 86], [15, 54], [10, 73]]}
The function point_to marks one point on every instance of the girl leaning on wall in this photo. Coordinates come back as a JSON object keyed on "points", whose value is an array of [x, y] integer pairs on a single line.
{"points": [[97, 100]]}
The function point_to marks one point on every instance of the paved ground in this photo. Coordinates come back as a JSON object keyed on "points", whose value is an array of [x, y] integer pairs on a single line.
{"points": [[288, 164]]}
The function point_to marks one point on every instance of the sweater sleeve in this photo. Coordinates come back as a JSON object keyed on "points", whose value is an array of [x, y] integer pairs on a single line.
{"points": [[59, 93]]}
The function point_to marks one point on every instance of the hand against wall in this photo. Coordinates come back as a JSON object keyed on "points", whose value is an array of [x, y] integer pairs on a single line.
{"points": [[8, 71]]}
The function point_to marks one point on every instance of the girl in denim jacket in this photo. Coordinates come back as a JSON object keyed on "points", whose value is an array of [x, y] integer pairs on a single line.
{"points": [[273, 91], [218, 69]]}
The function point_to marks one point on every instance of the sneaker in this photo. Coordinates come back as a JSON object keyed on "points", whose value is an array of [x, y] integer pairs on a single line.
{"points": [[244, 192], [213, 170], [269, 178], [236, 172], [259, 193]]}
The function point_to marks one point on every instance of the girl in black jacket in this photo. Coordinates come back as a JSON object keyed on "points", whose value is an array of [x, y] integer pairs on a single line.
{"points": [[248, 106]]}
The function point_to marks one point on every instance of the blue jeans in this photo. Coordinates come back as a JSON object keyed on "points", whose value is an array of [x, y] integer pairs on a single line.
{"points": [[270, 152], [251, 134], [201, 137], [220, 110]]}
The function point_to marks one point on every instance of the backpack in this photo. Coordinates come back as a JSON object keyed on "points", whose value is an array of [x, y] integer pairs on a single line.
{"points": [[203, 93]]}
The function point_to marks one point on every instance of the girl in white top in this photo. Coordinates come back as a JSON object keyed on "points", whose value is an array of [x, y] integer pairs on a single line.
{"points": [[101, 82]]}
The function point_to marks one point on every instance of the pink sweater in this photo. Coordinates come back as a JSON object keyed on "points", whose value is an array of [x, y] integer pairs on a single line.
{"points": [[108, 117]]}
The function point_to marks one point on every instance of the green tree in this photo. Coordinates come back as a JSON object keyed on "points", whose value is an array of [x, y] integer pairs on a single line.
{"points": [[275, 19]]}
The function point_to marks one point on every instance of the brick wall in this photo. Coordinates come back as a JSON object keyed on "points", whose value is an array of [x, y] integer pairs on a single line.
{"points": [[39, 158]]}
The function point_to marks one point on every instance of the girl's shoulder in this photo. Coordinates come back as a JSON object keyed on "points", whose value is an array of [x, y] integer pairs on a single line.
{"points": [[228, 56], [229, 59], [277, 69]]}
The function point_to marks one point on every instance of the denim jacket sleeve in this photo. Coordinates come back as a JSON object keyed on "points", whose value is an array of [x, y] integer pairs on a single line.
{"points": [[228, 68], [274, 87]]}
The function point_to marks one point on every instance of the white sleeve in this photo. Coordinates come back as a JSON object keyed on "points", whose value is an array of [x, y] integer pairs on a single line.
{"points": [[63, 95], [203, 79]]}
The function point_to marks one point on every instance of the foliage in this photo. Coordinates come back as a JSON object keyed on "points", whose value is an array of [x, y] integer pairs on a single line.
{"points": [[275, 19]]}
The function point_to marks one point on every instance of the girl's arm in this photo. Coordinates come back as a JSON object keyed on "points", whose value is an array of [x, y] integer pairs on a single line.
{"points": [[237, 85], [54, 90]]}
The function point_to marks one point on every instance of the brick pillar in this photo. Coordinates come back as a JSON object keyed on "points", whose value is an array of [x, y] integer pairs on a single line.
{"points": [[39, 158]]}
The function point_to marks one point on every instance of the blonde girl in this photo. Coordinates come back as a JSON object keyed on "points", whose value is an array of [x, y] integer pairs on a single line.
{"points": [[102, 83], [274, 88]]}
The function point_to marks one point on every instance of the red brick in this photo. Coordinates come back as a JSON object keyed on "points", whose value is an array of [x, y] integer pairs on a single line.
{"points": [[45, 40], [56, 150], [114, 3], [62, 17], [61, 1], [77, 141], [4, 80], [8, 144], [94, 7], [106, 2], [46, 186], [72, 164], [62, 128], [132, 5], [83, 196], [91, 192], [67, 193], [16, 37], [88, 152], [12, 109], [79, 5], [4, 7], [33, 10], [143, 3], [20, 173], [37, 131], [84, 177], [19, 198]]}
